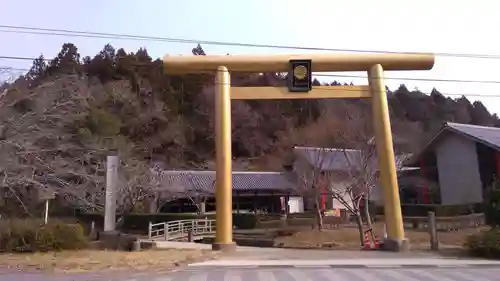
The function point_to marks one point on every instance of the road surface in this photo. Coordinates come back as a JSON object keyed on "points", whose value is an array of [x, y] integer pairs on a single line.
{"points": [[279, 273], [330, 274], [250, 264]]}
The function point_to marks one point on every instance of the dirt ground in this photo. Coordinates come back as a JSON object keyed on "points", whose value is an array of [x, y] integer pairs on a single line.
{"points": [[99, 261], [348, 238]]}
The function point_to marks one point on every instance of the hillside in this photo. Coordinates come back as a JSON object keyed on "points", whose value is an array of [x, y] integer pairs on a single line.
{"points": [[60, 120]]}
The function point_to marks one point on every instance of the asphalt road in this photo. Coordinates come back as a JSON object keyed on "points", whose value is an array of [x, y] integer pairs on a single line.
{"points": [[333, 274], [285, 274]]}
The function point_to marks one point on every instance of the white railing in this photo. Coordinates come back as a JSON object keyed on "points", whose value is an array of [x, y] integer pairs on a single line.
{"points": [[181, 229]]}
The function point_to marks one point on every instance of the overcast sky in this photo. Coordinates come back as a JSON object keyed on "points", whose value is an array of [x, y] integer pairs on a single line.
{"points": [[389, 25]]}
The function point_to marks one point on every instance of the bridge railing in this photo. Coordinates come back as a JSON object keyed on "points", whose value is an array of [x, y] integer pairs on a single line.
{"points": [[181, 229]]}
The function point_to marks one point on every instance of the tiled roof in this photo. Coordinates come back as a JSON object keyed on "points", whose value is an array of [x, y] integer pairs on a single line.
{"points": [[335, 159], [204, 181], [489, 136]]}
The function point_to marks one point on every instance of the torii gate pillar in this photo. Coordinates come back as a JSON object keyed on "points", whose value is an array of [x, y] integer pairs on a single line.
{"points": [[374, 64]]}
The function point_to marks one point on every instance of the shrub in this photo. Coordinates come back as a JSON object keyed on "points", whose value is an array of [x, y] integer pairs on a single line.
{"points": [[30, 235], [492, 205], [245, 221], [103, 123], [24, 105], [421, 210], [484, 244]]}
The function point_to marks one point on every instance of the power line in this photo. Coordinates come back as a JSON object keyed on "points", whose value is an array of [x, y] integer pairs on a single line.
{"points": [[330, 75], [102, 35], [65, 32], [356, 76], [414, 79], [337, 76], [13, 68], [83, 35], [444, 94]]}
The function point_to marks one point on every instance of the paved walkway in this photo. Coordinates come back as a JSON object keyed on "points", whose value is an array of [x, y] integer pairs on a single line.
{"points": [[293, 254], [267, 264], [291, 274], [280, 253], [416, 269], [338, 274], [357, 263], [327, 274]]}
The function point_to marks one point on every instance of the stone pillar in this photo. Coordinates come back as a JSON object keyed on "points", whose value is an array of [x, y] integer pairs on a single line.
{"points": [[111, 189]]}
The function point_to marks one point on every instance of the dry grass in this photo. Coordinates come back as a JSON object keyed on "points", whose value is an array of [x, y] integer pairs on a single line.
{"points": [[98, 261], [348, 238]]}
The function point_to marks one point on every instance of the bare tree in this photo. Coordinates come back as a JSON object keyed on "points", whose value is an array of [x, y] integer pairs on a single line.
{"points": [[44, 147], [312, 158], [360, 156], [311, 166], [245, 122], [342, 162], [360, 162], [340, 174]]}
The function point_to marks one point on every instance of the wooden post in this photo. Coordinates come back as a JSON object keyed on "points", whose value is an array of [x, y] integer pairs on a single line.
{"points": [[237, 200], [46, 213], [431, 227], [287, 205], [190, 235], [92, 230], [165, 231], [111, 189], [46, 196], [152, 204], [136, 246], [202, 208]]}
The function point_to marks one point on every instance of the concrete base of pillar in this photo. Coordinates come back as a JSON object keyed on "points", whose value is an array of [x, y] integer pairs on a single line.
{"points": [[396, 245], [108, 235], [114, 240], [224, 247]]}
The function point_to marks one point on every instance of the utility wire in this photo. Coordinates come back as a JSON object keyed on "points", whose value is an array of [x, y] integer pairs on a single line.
{"points": [[316, 74], [414, 79], [102, 35], [66, 32], [13, 68], [394, 78]]}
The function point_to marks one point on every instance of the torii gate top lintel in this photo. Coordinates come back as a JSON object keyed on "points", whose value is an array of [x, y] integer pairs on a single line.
{"points": [[281, 63]]}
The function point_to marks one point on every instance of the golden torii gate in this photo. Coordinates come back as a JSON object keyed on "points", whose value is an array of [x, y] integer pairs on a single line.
{"points": [[300, 68]]}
